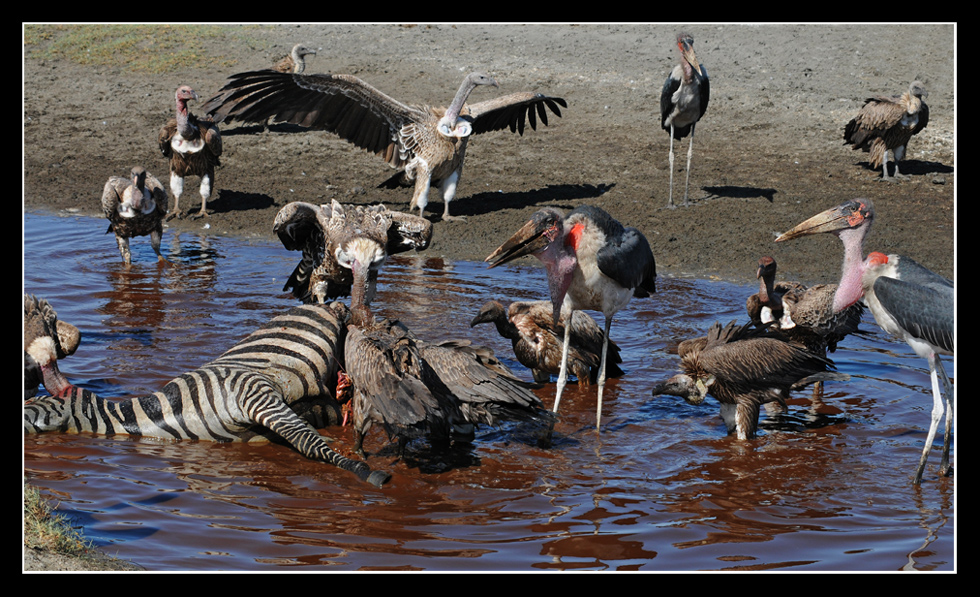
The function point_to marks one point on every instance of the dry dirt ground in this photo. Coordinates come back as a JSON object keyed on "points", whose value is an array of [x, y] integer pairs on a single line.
{"points": [[768, 153]]}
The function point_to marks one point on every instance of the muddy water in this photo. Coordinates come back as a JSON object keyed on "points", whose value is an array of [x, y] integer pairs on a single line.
{"points": [[661, 488]]}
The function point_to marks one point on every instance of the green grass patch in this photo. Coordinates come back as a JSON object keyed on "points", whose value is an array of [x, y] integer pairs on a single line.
{"points": [[153, 48]]}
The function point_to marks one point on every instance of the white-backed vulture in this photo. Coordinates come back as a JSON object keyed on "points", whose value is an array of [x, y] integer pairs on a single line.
{"points": [[887, 123], [135, 206], [744, 367], [46, 339], [339, 243], [426, 144], [537, 339], [766, 306]]}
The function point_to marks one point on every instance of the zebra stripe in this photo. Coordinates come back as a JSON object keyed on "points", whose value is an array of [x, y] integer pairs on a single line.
{"points": [[260, 385]]}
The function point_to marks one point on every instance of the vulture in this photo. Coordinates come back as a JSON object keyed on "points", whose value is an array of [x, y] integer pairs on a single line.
{"points": [[193, 147], [46, 339], [537, 339], [135, 206], [437, 390], [683, 101], [744, 367], [425, 144], [888, 123], [295, 61], [344, 245], [766, 306]]}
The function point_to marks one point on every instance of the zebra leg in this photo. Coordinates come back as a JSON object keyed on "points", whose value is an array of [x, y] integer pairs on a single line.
{"points": [[265, 406]]}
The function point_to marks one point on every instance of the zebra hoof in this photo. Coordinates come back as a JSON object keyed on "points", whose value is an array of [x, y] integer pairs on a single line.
{"points": [[378, 478]]}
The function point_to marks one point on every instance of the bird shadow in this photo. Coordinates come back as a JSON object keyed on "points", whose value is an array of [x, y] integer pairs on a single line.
{"points": [[229, 200], [258, 129], [482, 203], [737, 192], [912, 167]]}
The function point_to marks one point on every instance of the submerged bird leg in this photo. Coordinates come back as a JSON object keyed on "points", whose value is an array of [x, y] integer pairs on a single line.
{"points": [[563, 370], [936, 370], [601, 377], [670, 161]]}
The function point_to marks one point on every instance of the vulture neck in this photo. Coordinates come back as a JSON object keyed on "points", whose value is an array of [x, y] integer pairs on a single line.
{"points": [[184, 126], [452, 112]]}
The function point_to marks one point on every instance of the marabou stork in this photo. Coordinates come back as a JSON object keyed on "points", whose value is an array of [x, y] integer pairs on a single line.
{"points": [[426, 144], [744, 367], [888, 124], [906, 299], [683, 102], [916, 305], [537, 340], [593, 262]]}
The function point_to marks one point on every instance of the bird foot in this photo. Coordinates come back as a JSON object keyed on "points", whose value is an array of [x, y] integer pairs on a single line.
{"points": [[172, 215], [449, 218], [200, 214]]}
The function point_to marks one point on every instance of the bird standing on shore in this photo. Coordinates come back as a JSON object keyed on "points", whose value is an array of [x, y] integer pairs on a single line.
{"points": [[193, 147], [426, 144], [888, 123], [683, 101]]}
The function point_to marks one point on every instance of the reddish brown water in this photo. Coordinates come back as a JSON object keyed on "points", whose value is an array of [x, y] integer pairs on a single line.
{"points": [[661, 488]]}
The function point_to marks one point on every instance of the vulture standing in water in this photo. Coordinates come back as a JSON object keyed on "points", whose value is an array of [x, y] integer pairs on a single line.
{"points": [[537, 339], [887, 124], [766, 306], [413, 388], [683, 101], [193, 146], [46, 339], [425, 144], [744, 367], [135, 206], [331, 237]]}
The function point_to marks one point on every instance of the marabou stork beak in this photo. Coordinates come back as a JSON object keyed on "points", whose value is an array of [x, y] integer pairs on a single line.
{"points": [[687, 51], [846, 215], [530, 239]]}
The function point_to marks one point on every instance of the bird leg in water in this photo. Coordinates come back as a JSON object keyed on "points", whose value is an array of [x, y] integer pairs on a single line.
{"points": [[937, 371], [563, 370], [601, 377]]}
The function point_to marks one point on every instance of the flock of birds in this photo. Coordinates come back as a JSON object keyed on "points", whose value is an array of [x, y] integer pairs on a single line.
{"points": [[593, 262]]}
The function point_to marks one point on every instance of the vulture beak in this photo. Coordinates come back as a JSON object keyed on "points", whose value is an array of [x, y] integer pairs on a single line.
{"points": [[849, 214], [533, 237]]}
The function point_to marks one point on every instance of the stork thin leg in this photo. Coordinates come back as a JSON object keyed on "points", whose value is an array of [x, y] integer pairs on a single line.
{"points": [[563, 370], [937, 414], [690, 152], [601, 378], [945, 469], [670, 159]]}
